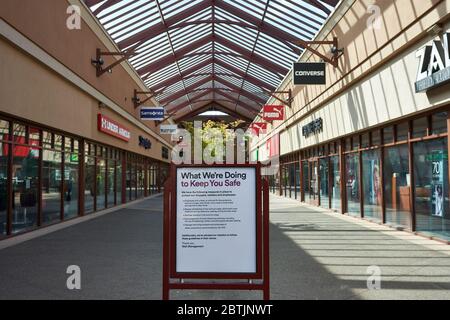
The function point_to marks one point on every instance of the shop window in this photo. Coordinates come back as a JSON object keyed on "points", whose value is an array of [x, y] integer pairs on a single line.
{"points": [[100, 151], [68, 143], [372, 184], [131, 183], [59, 142], [376, 138], [335, 188], [321, 151], [333, 148], [140, 182], [110, 183], [19, 133], [284, 180], [397, 193], [4, 147], [35, 137], [388, 135], [297, 180], [119, 182], [51, 186], [420, 127], [431, 187], [76, 146], [324, 183], [439, 122], [4, 130], [101, 184], [365, 140], [71, 180], [352, 184], [292, 182], [402, 131], [47, 139], [25, 188], [89, 184], [355, 143], [305, 178]]}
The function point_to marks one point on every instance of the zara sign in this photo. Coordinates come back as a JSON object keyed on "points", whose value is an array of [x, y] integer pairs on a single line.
{"points": [[434, 64]]}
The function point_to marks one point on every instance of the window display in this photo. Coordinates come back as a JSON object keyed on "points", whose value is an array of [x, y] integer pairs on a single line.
{"points": [[352, 184], [372, 184], [431, 187], [324, 183], [335, 180], [397, 182]]}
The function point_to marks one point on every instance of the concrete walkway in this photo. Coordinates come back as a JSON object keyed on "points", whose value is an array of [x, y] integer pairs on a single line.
{"points": [[314, 255]]}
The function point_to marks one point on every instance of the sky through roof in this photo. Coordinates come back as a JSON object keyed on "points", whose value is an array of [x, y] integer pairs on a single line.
{"points": [[226, 54]]}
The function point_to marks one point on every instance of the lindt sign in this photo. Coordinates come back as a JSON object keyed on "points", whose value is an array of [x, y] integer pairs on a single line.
{"points": [[434, 64], [112, 128]]}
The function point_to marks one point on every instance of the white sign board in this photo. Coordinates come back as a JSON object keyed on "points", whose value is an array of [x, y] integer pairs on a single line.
{"points": [[216, 220], [168, 129]]}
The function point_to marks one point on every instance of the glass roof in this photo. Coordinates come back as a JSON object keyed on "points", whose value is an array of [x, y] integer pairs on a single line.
{"points": [[195, 53]]}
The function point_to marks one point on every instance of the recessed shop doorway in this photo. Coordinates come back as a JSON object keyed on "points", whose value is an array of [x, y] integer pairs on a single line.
{"points": [[324, 181], [311, 181]]}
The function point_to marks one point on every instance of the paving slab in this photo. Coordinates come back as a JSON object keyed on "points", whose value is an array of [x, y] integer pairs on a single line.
{"points": [[315, 254]]}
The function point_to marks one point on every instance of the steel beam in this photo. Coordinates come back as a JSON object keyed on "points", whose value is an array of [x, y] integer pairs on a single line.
{"points": [[249, 95], [166, 60], [256, 58], [181, 93], [159, 28], [185, 73]]}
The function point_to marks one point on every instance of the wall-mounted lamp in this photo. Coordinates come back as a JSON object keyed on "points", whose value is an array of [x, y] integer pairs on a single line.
{"points": [[335, 51], [98, 62], [435, 29]]}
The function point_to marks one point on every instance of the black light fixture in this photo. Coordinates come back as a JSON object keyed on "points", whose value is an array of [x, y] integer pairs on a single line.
{"points": [[98, 62]]}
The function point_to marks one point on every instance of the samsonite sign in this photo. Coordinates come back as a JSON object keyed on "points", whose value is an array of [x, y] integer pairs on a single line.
{"points": [[112, 128], [273, 112], [309, 73], [152, 113], [434, 64]]}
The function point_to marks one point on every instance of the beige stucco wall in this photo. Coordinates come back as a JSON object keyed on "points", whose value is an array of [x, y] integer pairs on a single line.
{"points": [[389, 94], [374, 82], [33, 92]]}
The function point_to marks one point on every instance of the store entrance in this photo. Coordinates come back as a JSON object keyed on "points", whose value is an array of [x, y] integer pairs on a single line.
{"points": [[312, 196]]}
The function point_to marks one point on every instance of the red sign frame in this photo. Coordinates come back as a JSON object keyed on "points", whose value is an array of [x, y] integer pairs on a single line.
{"points": [[100, 118], [271, 109], [259, 127], [262, 241]]}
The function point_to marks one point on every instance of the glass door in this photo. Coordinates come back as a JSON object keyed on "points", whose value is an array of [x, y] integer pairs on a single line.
{"points": [[324, 183], [314, 183], [335, 179]]}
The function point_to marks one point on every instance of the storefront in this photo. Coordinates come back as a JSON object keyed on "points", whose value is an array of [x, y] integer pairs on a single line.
{"points": [[396, 174], [47, 176], [71, 140], [381, 150]]}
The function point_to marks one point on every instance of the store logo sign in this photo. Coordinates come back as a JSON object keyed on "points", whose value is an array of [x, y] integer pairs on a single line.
{"points": [[313, 127], [309, 73], [145, 143], [168, 129], [258, 127], [112, 128], [152, 113], [271, 113], [434, 64]]}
